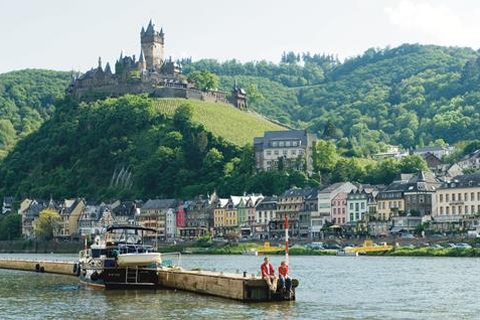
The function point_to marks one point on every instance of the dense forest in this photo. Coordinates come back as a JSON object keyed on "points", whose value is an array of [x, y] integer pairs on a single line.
{"points": [[127, 148], [410, 96], [27, 99]]}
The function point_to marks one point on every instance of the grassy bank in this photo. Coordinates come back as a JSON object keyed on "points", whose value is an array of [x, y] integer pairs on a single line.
{"points": [[432, 252]]}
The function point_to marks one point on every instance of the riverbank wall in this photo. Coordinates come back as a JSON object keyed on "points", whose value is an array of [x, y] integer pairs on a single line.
{"points": [[48, 266]]}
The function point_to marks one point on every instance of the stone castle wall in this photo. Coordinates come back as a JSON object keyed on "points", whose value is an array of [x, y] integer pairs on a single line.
{"points": [[115, 90]]}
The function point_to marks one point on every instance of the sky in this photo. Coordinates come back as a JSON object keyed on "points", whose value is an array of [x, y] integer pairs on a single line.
{"points": [[72, 35]]}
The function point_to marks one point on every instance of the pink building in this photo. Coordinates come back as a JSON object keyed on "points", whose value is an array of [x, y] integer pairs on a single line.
{"points": [[339, 208]]}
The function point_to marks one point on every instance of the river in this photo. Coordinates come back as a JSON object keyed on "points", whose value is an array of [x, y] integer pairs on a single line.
{"points": [[330, 287]]}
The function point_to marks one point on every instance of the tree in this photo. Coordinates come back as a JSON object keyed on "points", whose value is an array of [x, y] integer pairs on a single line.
{"points": [[212, 163], [326, 156], [10, 227], [183, 116], [412, 164], [47, 225], [204, 80]]}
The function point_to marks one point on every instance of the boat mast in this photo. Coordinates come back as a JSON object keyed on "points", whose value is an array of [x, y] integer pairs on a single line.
{"points": [[286, 237]]}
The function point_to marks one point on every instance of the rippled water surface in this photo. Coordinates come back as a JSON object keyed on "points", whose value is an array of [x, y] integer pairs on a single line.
{"points": [[330, 288]]}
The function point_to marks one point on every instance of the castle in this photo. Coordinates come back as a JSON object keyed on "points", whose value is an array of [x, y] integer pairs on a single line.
{"points": [[151, 74]]}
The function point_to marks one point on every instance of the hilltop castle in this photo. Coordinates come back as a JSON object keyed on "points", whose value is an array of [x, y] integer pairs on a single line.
{"points": [[151, 74]]}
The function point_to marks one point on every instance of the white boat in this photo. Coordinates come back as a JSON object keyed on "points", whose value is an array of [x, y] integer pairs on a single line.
{"points": [[122, 259], [251, 252], [139, 259]]}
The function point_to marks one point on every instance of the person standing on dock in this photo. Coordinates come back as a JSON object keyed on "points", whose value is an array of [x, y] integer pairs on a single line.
{"points": [[268, 274], [285, 280]]}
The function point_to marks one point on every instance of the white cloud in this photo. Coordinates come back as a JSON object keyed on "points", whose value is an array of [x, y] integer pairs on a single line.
{"points": [[436, 23]]}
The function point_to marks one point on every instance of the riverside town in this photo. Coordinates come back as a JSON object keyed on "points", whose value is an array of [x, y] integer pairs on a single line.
{"points": [[240, 161]]}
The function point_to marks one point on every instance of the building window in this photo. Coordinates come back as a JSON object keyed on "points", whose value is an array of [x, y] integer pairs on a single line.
{"points": [[294, 152], [269, 152], [294, 143], [280, 144], [441, 198], [453, 197], [275, 152], [441, 210], [447, 197], [274, 144]]}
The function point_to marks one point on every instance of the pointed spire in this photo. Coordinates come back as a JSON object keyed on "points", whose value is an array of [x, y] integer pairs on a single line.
{"points": [[99, 62], [151, 27], [142, 58], [142, 32], [107, 68], [121, 55]]}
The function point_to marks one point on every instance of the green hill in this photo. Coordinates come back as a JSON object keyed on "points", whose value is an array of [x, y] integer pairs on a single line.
{"points": [[412, 95], [27, 99], [134, 147], [222, 120]]}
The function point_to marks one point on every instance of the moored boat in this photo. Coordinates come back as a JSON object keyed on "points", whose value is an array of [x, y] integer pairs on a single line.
{"points": [[122, 258]]}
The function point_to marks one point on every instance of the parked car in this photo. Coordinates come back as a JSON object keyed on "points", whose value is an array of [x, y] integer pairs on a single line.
{"points": [[332, 246], [449, 245], [315, 245], [436, 246], [463, 245], [219, 240]]}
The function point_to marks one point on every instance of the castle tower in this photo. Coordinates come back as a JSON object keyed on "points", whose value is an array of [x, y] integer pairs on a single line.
{"points": [[152, 47], [141, 62]]}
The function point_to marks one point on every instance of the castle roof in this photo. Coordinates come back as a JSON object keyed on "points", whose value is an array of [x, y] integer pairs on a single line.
{"points": [[151, 30]]}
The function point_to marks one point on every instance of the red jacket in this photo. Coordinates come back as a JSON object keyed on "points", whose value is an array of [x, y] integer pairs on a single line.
{"points": [[283, 271], [267, 270]]}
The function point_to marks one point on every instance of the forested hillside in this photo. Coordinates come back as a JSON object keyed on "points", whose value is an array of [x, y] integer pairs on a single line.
{"points": [[136, 147], [27, 99], [413, 95]]}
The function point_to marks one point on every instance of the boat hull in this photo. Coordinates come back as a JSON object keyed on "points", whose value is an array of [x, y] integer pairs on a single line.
{"points": [[121, 278]]}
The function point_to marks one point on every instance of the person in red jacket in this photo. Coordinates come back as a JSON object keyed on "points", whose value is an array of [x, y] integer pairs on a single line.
{"points": [[268, 274], [285, 280]]}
